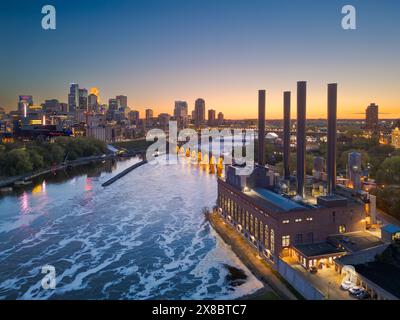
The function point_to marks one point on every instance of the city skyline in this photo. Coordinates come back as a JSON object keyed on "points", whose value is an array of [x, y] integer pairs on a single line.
{"points": [[217, 51], [189, 106]]}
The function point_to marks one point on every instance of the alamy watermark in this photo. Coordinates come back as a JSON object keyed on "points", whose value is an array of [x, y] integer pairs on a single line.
{"points": [[49, 18], [49, 280], [207, 147], [349, 21]]}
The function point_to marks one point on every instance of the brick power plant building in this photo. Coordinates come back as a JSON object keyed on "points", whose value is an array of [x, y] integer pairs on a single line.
{"points": [[292, 215]]}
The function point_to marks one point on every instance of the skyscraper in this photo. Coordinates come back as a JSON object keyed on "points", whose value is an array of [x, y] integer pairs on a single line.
{"points": [[113, 104], [112, 109], [211, 117], [122, 101], [163, 120], [149, 114], [199, 112], [93, 103], [181, 109], [148, 123], [220, 118], [181, 113], [73, 97], [24, 102], [134, 117], [83, 99], [372, 116]]}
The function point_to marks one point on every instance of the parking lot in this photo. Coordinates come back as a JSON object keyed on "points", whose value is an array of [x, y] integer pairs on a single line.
{"points": [[326, 280]]}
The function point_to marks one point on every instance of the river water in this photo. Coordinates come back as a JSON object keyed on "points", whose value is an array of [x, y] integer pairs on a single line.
{"points": [[143, 237]]}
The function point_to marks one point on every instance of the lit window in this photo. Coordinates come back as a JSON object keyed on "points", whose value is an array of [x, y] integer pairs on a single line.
{"points": [[266, 237], [285, 241], [342, 228], [256, 228], [285, 221]]}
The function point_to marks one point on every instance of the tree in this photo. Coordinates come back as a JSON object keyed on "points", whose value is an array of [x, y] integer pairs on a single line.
{"points": [[23, 157], [344, 156], [36, 159], [293, 163], [16, 162], [389, 171]]}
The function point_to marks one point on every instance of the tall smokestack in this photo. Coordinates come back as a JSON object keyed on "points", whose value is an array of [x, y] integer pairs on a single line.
{"points": [[331, 158], [261, 127], [301, 136], [286, 133]]}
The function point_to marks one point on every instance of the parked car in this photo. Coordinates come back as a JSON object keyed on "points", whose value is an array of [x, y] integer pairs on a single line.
{"points": [[313, 270], [363, 294], [355, 290], [346, 285]]}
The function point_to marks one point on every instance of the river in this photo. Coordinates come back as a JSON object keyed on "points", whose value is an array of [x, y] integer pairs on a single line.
{"points": [[143, 237]]}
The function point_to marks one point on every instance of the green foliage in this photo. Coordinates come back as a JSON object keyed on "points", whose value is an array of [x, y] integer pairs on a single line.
{"points": [[389, 171], [293, 163], [20, 158], [16, 162], [388, 200], [344, 156]]}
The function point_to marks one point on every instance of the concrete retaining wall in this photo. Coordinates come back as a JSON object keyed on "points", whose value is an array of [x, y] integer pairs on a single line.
{"points": [[296, 279]]}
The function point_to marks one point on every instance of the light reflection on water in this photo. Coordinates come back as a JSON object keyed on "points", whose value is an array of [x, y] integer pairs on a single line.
{"points": [[24, 203], [144, 237]]}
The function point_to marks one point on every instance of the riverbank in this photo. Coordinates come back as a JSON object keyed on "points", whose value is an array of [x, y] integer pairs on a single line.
{"points": [[9, 182], [249, 256]]}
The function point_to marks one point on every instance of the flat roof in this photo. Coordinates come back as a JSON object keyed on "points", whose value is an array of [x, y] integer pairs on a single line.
{"points": [[384, 275], [391, 228], [355, 241], [318, 249], [285, 204]]}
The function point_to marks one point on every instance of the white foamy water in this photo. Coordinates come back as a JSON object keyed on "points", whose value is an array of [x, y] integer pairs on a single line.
{"points": [[144, 237]]}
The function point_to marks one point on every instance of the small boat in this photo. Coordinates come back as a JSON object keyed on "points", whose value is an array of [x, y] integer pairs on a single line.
{"points": [[6, 189], [22, 183]]}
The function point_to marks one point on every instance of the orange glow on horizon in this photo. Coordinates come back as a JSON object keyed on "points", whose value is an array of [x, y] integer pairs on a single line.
{"points": [[96, 92]]}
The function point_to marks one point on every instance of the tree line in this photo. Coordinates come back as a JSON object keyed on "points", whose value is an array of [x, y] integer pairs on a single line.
{"points": [[20, 158]]}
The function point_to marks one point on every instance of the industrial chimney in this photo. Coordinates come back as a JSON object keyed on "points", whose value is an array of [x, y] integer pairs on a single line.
{"points": [[286, 134], [331, 158], [301, 136], [261, 127]]}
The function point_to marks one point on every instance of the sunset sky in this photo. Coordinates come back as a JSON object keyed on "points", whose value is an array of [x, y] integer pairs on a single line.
{"points": [[159, 51]]}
